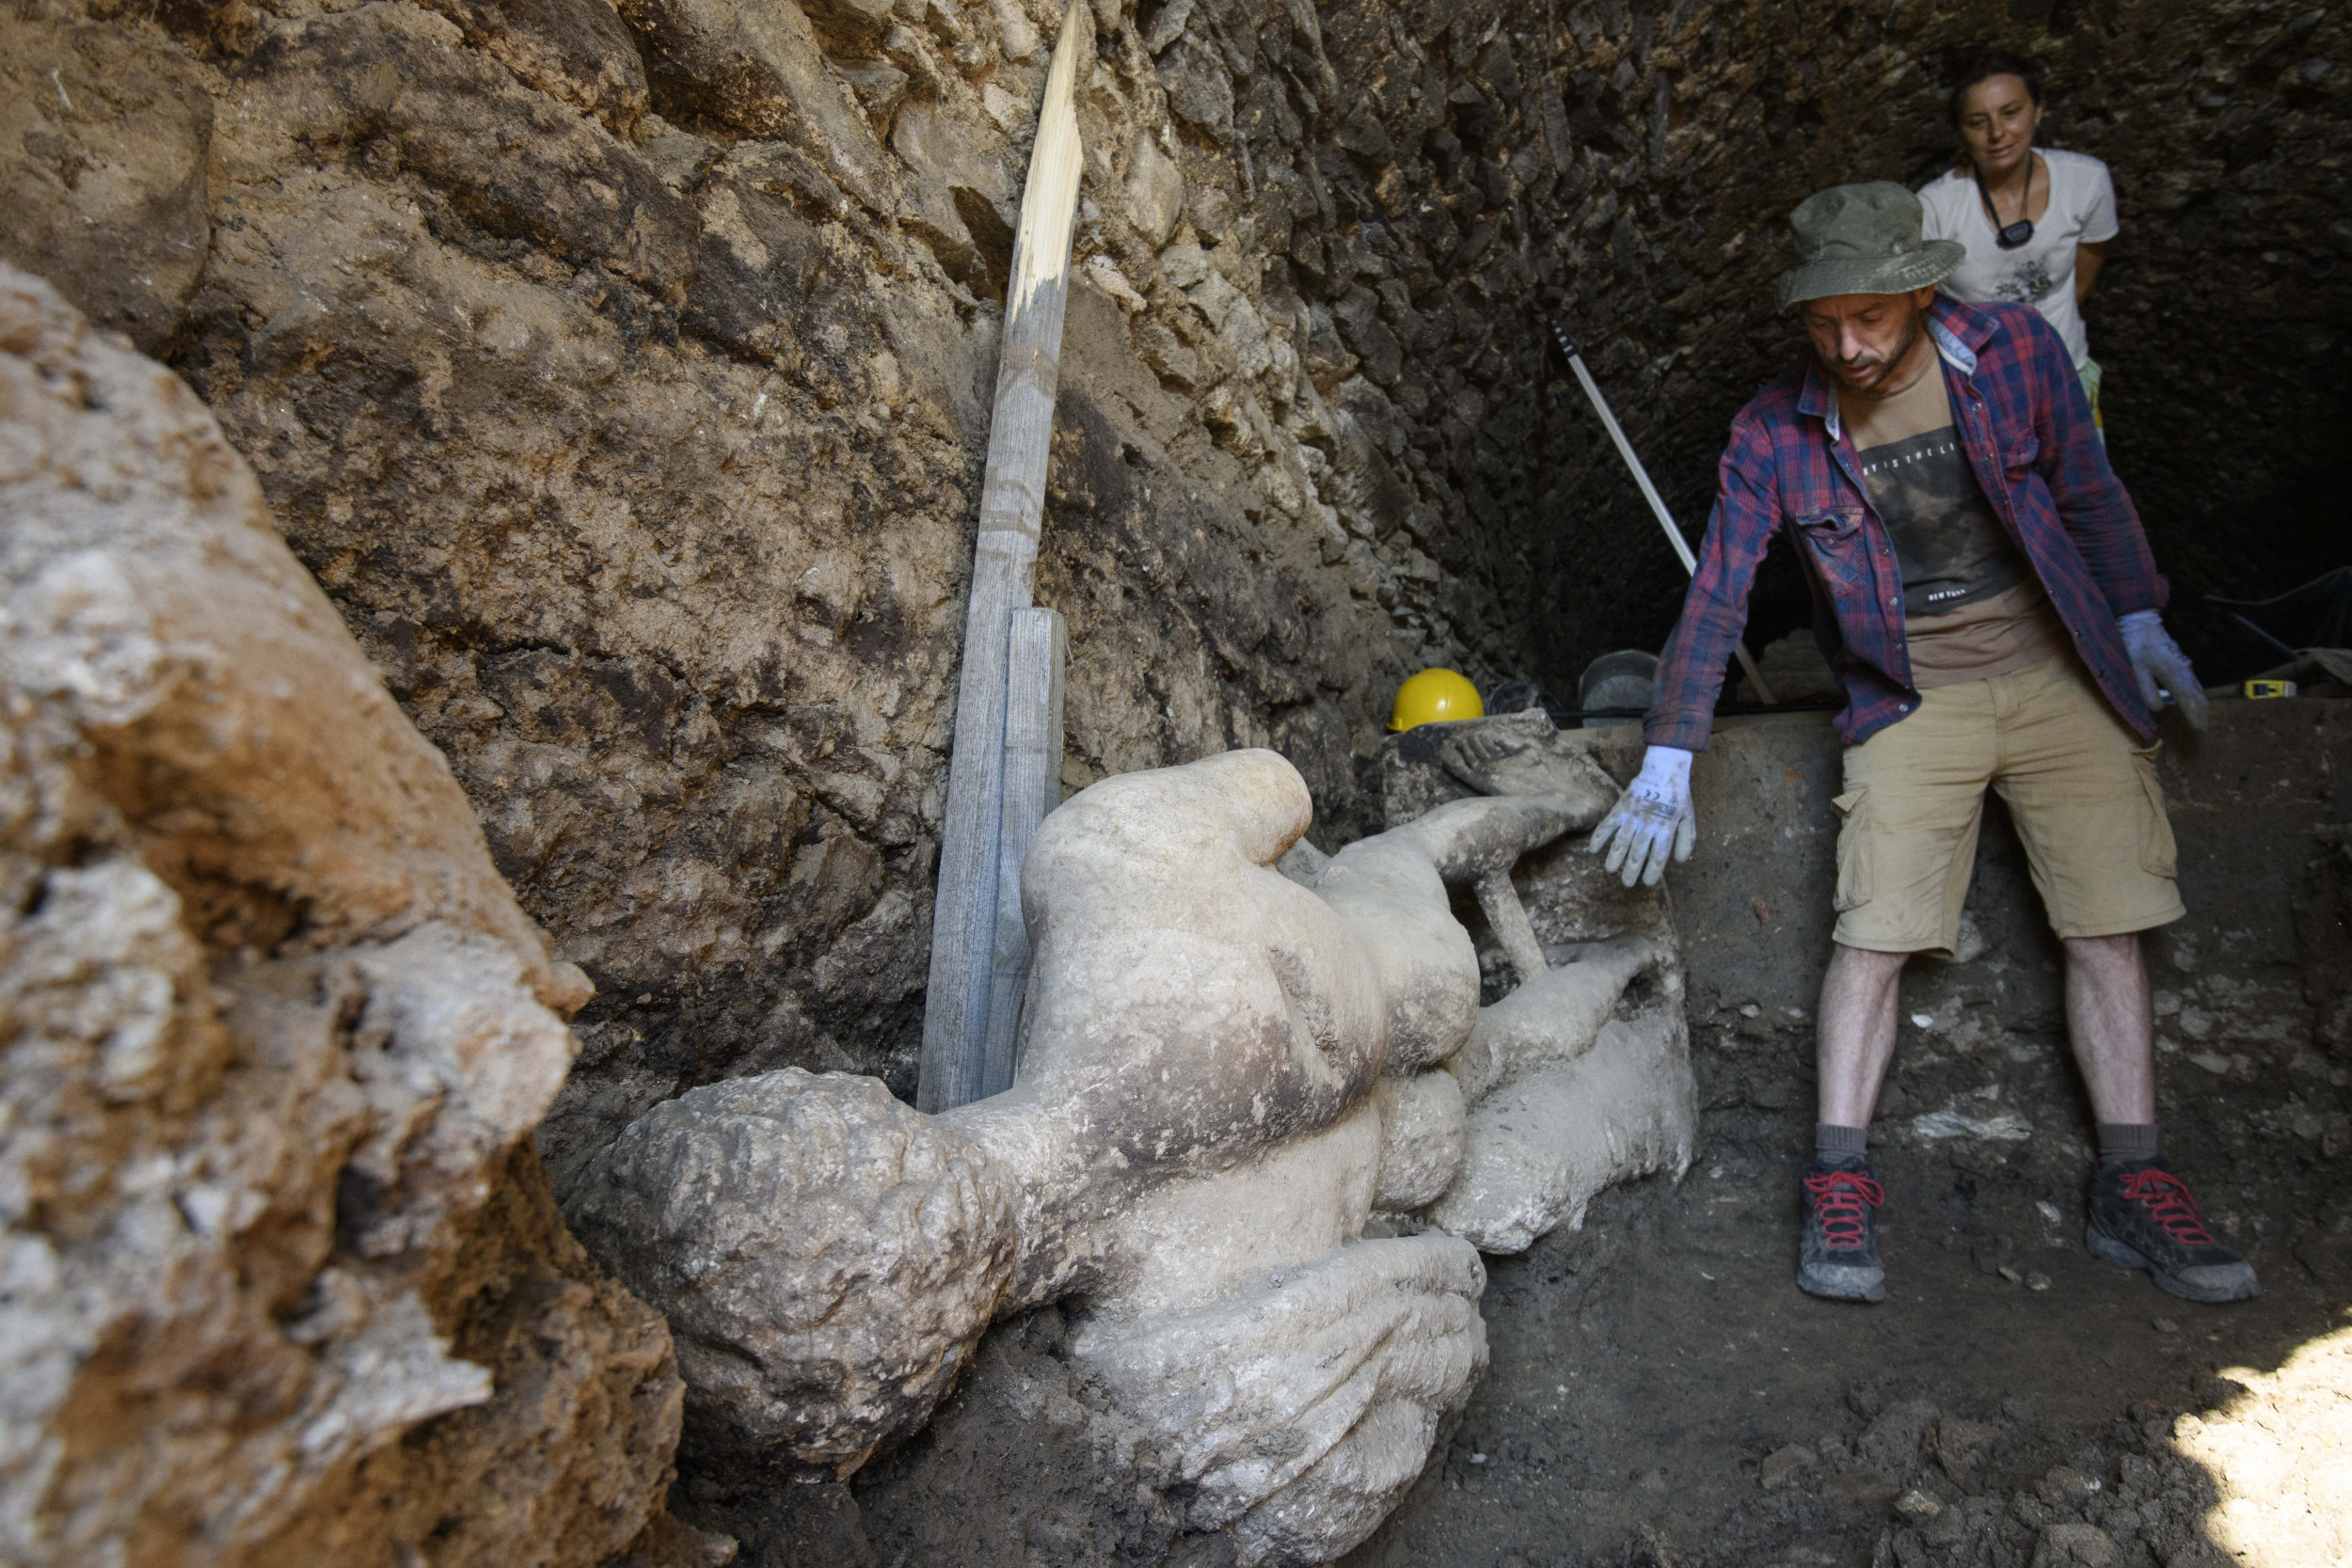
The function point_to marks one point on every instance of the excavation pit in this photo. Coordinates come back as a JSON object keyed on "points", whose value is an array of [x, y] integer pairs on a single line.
{"points": [[618, 376]]}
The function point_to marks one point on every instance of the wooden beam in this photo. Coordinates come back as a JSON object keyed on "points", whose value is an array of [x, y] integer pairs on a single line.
{"points": [[1040, 647], [1004, 577]]}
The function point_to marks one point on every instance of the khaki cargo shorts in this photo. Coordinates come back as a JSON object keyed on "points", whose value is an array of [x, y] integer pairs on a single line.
{"points": [[2080, 786]]}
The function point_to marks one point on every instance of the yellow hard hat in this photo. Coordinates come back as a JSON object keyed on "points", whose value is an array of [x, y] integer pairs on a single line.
{"points": [[1436, 694]]}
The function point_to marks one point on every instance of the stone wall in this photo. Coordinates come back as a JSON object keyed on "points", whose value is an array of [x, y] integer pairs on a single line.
{"points": [[1628, 169]]}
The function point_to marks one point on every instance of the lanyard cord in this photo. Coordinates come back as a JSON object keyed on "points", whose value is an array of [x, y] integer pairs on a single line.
{"points": [[1985, 195]]}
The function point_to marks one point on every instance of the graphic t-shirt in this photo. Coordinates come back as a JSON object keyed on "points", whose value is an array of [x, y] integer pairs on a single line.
{"points": [[1972, 606], [2040, 272]]}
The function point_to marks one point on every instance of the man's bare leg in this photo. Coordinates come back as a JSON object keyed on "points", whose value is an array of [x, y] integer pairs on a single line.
{"points": [[2108, 1017], [2143, 1216], [1857, 1037], [1838, 1256]]}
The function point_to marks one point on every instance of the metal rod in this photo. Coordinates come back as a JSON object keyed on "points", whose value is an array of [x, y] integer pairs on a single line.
{"points": [[2250, 625], [1649, 492]]}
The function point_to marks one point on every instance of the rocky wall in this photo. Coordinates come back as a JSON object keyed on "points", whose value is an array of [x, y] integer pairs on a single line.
{"points": [[282, 1279], [622, 379], [1628, 170]]}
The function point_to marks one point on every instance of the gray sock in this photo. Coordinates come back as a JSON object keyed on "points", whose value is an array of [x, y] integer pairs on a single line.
{"points": [[2126, 1140], [1834, 1145]]}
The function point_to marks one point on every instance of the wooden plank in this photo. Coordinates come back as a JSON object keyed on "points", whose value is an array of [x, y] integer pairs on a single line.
{"points": [[1004, 577], [1033, 740]]}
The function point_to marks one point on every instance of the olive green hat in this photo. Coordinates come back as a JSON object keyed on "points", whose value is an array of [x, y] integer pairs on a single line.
{"points": [[1863, 240]]}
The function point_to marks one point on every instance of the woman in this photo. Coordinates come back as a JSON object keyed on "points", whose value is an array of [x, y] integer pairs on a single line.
{"points": [[2036, 223]]}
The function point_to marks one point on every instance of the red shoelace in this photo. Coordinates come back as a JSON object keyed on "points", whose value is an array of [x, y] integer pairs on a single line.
{"points": [[2166, 1198], [1844, 1198]]}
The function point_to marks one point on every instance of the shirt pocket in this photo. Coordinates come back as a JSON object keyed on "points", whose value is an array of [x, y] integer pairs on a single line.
{"points": [[1839, 548]]}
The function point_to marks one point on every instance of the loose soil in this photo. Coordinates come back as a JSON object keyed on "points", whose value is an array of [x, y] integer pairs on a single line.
{"points": [[1647, 1367]]}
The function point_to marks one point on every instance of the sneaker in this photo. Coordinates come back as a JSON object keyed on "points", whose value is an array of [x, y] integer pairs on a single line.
{"points": [[1839, 1256], [2143, 1216]]}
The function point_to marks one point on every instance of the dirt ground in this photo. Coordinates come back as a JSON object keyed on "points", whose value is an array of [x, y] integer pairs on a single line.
{"points": [[1662, 1393]]}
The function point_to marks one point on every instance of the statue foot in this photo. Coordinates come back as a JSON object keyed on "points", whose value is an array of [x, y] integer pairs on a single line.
{"points": [[1500, 760]]}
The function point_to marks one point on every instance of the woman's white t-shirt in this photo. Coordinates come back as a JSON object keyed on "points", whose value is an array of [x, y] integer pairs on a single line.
{"points": [[2040, 272]]}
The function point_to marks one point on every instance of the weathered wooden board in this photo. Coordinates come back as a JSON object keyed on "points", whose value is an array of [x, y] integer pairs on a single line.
{"points": [[1004, 577], [1039, 649]]}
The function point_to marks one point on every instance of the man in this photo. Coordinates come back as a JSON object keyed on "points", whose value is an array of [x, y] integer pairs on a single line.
{"points": [[1996, 622]]}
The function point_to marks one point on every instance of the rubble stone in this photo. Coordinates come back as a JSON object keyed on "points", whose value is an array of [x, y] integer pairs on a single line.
{"points": [[283, 1278], [1784, 1464]]}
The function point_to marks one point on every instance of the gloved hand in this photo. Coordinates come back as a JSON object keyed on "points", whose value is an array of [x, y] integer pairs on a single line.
{"points": [[2160, 665], [1652, 814]]}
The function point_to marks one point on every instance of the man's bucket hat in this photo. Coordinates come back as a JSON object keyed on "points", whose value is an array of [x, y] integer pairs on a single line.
{"points": [[1863, 240]]}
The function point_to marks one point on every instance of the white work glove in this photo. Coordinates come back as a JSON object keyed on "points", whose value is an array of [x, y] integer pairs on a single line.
{"points": [[1652, 815], [2160, 665]]}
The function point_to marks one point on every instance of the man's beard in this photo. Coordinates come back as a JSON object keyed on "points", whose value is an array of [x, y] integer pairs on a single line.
{"points": [[1871, 383]]}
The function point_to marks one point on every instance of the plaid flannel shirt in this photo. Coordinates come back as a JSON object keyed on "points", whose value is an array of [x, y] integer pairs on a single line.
{"points": [[2026, 429]]}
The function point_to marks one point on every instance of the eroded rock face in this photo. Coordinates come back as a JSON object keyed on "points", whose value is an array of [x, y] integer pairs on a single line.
{"points": [[282, 1278], [622, 375], [109, 141]]}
